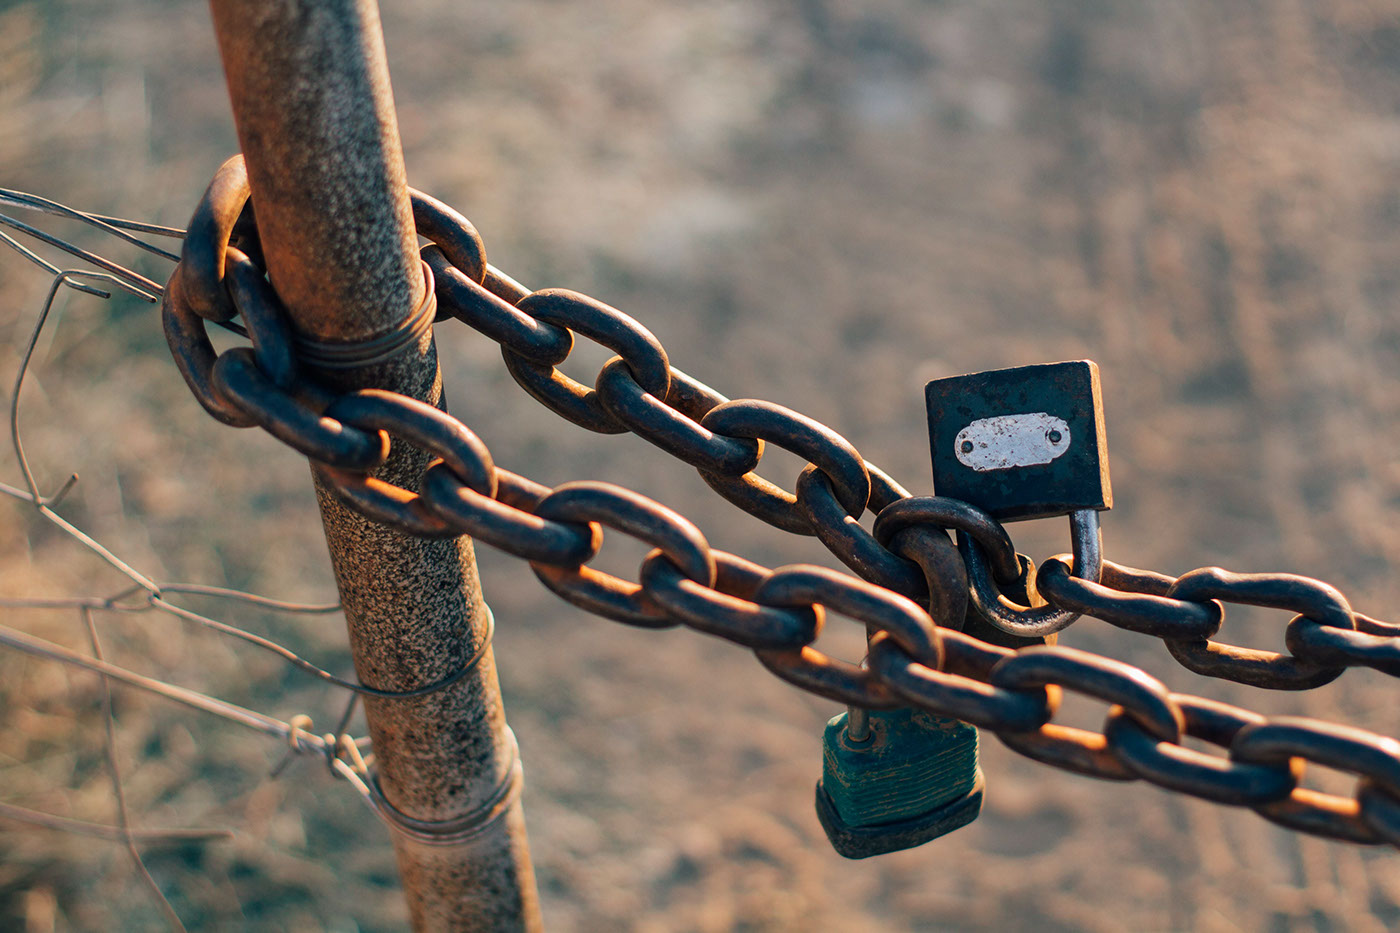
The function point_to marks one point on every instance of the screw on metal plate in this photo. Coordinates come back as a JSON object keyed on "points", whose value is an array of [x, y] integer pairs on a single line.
{"points": [[896, 779]]}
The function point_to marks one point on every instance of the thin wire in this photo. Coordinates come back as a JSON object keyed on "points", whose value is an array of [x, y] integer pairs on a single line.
{"points": [[23, 199], [251, 719], [338, 735], [114, 770], [32, 202], [53, 517], [115, 602], [345, 717], [114, 226], [63, 824], [58, 281], [47, 266], [219, 592], [110, 604], [64, 490], [297, 661], [155, 601], [33, 495], [134, 278], [267, 644], [301, 740]]}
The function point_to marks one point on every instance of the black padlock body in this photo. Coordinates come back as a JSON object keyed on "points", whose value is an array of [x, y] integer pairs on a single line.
{"points": [[1030, 411]]}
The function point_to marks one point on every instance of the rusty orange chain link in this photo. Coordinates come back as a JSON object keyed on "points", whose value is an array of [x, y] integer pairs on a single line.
{"points": [[914, 594]]}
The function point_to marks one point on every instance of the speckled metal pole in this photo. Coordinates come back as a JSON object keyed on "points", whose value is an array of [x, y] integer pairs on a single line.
{"points": [[309, 84]]}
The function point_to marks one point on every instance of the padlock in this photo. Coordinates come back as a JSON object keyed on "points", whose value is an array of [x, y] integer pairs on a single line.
{"points": [[895, 779], [1020, 444]]}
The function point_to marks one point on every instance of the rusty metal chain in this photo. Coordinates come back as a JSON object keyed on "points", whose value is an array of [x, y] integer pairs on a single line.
{"points": [[915, 587]]}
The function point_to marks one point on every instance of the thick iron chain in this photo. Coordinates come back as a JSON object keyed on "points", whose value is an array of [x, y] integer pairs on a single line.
{"points": [[912, 589]]}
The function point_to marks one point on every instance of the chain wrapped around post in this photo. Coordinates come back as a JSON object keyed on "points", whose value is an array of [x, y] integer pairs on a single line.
{"points": [[912, 588]]}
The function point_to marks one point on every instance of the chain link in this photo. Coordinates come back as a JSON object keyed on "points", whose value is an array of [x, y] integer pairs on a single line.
{"points": [[912, 588], [640, 351], [674, 424], [1319, 604], [676, 537], [1172, 766]]}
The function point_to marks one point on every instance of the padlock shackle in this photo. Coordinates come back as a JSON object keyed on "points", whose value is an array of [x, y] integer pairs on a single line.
{"points": [[1024, 621]]}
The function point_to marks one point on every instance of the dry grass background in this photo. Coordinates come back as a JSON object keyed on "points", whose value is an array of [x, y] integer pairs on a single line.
{"points": [[821, 203]]}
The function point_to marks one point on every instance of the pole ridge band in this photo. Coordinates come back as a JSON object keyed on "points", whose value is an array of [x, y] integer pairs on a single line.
{"points": [[322, 354]]}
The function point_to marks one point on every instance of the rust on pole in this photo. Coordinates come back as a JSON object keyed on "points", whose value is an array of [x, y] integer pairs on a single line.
{"points": [[309, 84]]}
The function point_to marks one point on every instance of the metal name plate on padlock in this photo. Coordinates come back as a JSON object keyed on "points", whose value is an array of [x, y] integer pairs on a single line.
{"points": [[1021, 443]]}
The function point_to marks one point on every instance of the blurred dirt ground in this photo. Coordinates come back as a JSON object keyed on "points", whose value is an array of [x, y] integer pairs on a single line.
{"points": [[820, 203]]}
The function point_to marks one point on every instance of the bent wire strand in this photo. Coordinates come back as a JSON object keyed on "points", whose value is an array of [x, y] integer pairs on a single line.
{"points": [[115, 226], [109, 747], [155, 592], [329, 747]]}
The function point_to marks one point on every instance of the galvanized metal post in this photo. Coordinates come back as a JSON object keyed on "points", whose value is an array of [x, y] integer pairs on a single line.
{"points": [[309, 84]]}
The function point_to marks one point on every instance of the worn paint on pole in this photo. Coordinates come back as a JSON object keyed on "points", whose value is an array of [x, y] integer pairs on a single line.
{"points": [[309, 83]]}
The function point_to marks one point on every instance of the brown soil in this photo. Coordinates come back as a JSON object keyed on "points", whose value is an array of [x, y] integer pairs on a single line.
{"points": [[818, 203]]}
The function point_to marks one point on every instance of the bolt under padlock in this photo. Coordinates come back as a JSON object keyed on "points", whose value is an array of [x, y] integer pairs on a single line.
{"points": [[895, 779]]}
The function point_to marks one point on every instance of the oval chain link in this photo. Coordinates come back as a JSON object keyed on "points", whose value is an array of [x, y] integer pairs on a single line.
{"points": [[727, 608], [1374, 759], [642, 353], [679, 541], [797, 434], [1140, 695], [1184, 770], [1315, 600], [803, 585]]}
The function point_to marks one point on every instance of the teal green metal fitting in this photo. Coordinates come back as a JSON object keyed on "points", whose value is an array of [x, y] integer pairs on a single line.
{"points": [[912, 779]]}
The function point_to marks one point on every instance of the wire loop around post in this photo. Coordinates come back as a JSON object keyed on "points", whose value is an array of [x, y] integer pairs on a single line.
{"points": [[457, 829]]}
